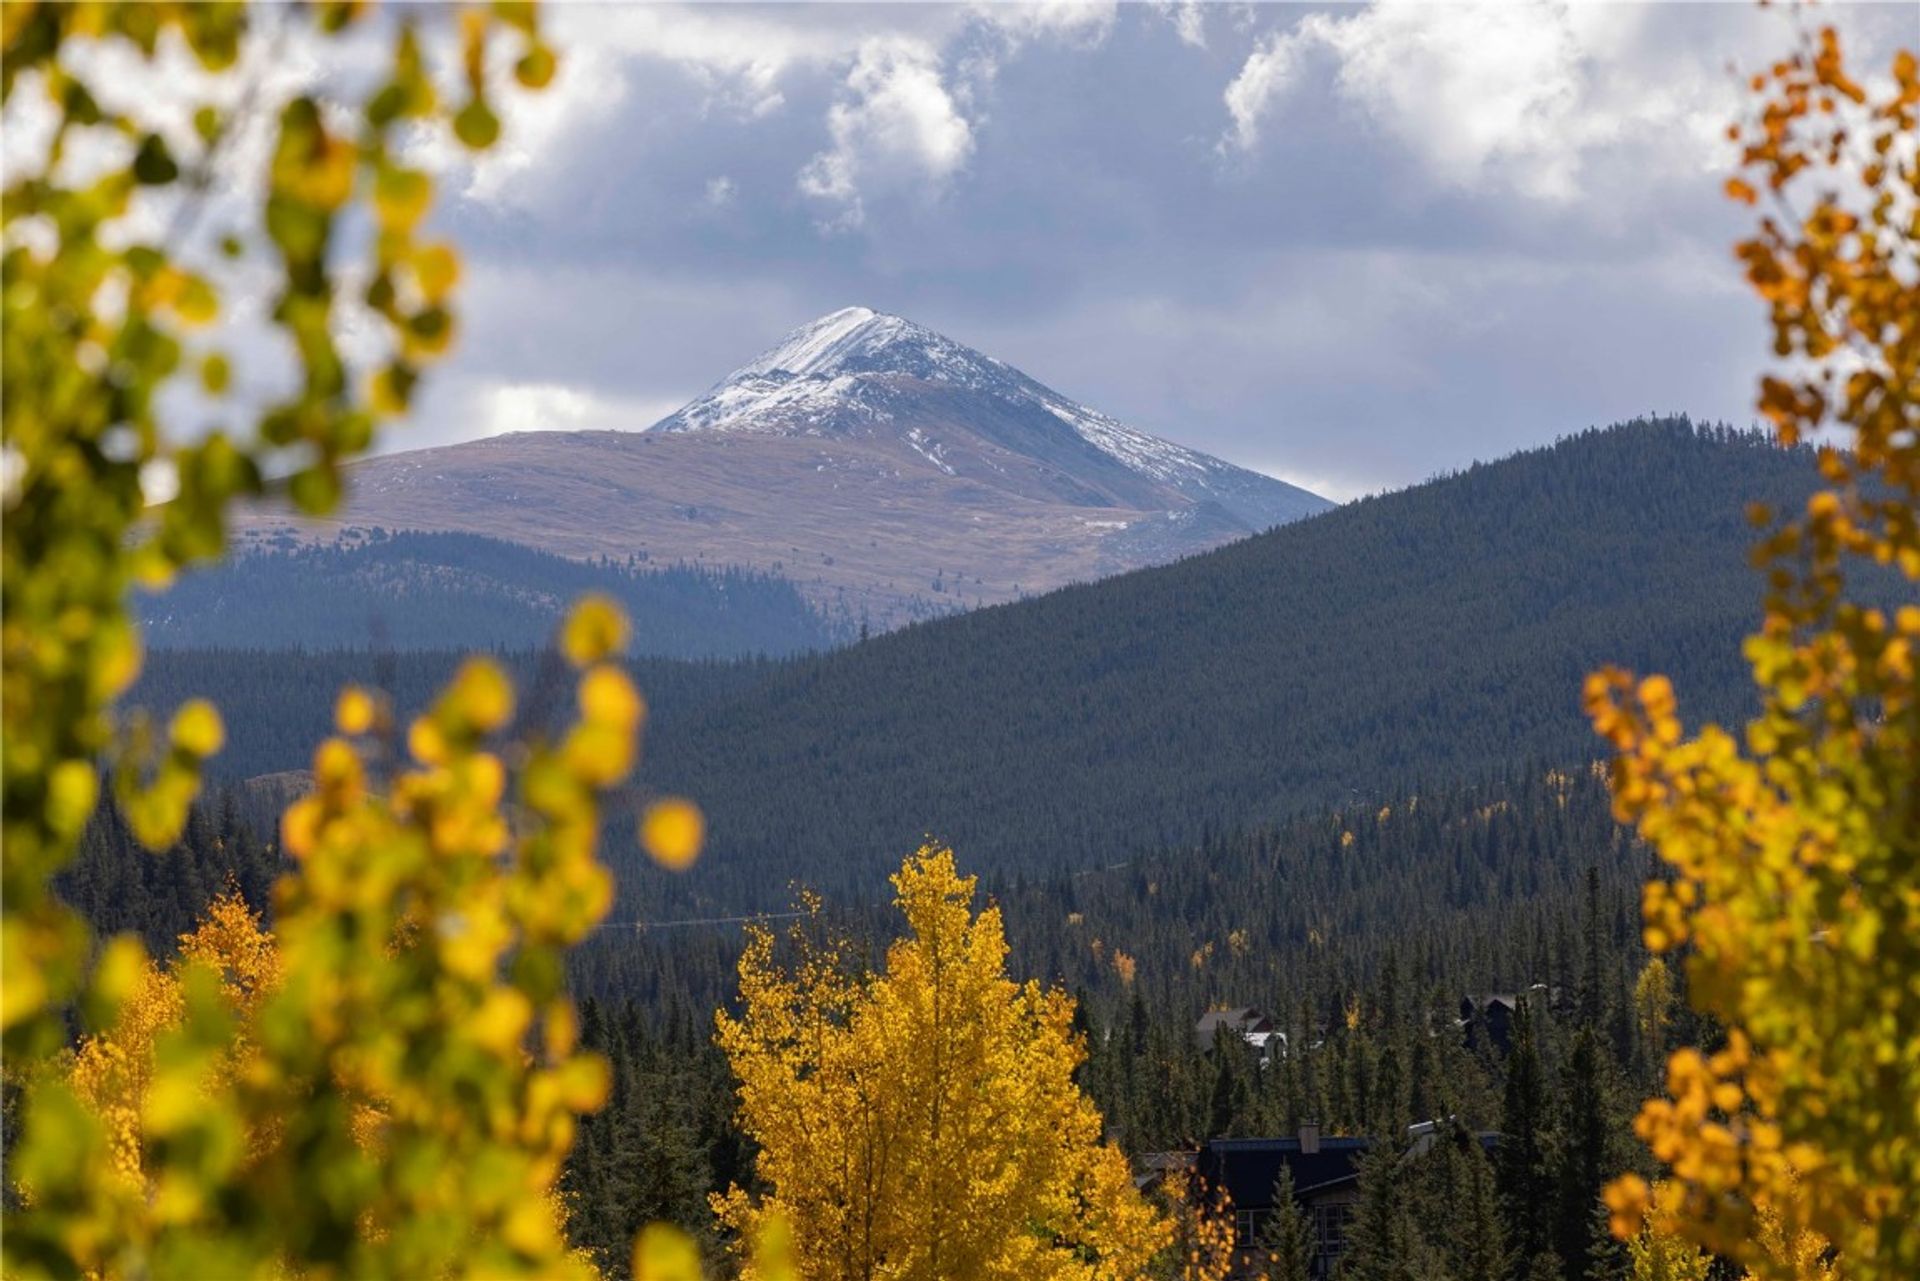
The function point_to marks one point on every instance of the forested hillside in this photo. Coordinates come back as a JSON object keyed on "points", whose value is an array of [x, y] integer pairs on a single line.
{"points": [[1357, 930], [1433, 634], [413, 591]]}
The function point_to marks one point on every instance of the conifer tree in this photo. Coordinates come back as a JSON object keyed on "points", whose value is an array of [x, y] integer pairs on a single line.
{"points": [[1478, 1238], [1526, 1188], [1381, 1238], [1228, 1103], [1585, 1159], [1287, 1236]]}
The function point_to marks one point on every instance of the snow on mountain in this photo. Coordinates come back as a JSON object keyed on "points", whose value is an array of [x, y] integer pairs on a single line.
{"points": [[858, 371], [886, 471]]}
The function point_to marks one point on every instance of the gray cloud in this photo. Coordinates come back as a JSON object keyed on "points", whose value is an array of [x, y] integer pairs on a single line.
{"points": [[1351, 247]]}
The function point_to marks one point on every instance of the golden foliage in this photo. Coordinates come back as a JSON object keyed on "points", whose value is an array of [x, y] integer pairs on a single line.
{"points": [[389, 1087], [1202, 1246], [386, 1087], [1657, 1255], [923, 1122], [112, 1069], [103, 317], [1795, 862]]}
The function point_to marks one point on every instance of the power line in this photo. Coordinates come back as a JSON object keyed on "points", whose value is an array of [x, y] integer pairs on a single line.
{"points": [[638, 926]]}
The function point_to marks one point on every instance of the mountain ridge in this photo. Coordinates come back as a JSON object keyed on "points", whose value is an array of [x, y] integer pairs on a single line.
{"points": [[895, 475]]}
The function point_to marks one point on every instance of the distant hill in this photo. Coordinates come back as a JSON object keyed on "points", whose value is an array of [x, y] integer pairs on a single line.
{"points": [[428, 591], [887, 471], [1437, 633]]}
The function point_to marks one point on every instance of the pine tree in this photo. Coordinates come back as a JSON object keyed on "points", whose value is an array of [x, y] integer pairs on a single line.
{"points": [[1288, 1236], [1381, 1238], [1228, 1103], [1585, 1159], [1524, 1181], [1477, 1236]]}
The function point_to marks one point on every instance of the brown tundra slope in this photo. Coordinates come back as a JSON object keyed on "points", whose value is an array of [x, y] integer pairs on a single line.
{"points": [[888, 471]]}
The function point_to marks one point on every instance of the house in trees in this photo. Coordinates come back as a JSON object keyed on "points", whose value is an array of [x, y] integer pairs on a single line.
{"points": [[1326, 1179], [1326, 1186], [1245, 1022], [1487, 1018]]}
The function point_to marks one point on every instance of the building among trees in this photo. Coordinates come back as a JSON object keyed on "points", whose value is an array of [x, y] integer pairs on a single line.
{"points": [[1323, 1175]]}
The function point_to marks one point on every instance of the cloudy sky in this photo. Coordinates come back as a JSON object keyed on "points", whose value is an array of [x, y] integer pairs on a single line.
{"points": [[1350, 247]]}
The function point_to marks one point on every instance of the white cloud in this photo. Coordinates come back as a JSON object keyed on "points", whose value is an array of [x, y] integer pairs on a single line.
{"points": [[1080, 22], [721, 192], [589, 84], [1512, 96], [1189, 19], [737, 58], [505, 407], [896, 124], [1251, 94]]}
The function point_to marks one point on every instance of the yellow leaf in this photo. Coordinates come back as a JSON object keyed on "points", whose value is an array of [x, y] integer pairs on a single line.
{"points": [[500, 1024], [196, 729], [607, 696], [401, 198], [354, 713], [481, 694], [437, 269], [72, 789], [673, 832], [595, 630], [665, 1253]]}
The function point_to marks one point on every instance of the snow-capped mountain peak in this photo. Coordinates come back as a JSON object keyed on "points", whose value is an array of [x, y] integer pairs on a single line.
{"points": [[821, 347], [862, 372]]}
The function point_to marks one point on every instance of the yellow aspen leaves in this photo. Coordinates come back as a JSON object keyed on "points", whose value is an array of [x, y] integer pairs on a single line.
{"points": [[436, 268], [923, 1120], [672, 832], [197, 730], [355, 711], [386, 1085], [480, 696], [608, 697], [665, 1253], [97, 279], [401, 197], [1791, 890], [407, 1015], [595, 629]]}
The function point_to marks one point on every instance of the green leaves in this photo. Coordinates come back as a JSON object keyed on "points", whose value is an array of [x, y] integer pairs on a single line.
{"points": [[94, 330]]}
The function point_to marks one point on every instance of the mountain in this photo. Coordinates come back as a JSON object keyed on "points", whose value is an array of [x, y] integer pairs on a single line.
{"points": [[1437, 633], [888, 472], [426, 591], [859, 374]]}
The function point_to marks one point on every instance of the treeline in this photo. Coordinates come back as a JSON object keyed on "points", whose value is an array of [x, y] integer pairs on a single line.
{"points": [[1418, 638], [372, 589]]}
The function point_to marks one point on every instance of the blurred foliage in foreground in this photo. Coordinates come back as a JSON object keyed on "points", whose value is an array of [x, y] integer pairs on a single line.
{"points": [[1795, 860], [394, 1093]]}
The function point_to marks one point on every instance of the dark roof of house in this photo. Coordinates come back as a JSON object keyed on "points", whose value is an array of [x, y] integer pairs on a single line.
{"points": [[1507, 999], [1232, 1018], [1247, 1168]]}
